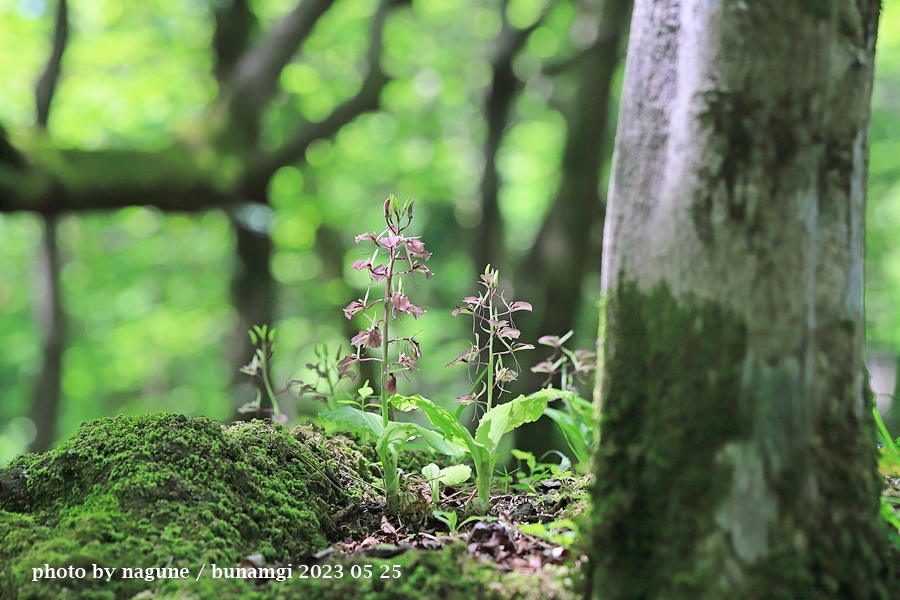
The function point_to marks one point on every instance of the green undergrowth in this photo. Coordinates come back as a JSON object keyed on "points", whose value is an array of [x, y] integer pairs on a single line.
{"points": [[168, 490]]}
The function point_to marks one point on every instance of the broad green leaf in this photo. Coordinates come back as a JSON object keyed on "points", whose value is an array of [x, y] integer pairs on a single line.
{"points": [[441, 443], [355, 419], [502, 419], [578, 437], [440, 417], [395, 435], [454, 474], [431, 471]]}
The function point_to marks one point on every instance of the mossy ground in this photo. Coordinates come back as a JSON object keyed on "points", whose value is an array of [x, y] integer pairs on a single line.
{"points": [[170, 490]]}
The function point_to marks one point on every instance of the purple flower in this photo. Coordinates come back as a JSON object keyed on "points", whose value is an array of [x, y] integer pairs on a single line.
{"points": [[416, 248], [353, 308], [549, 340], [407, 362], [400, 302], [509, 332], [543, 367], [469, 355], [423, 269], [370, 338], [345, 365], [390, 385], [503, 374], [390, 241], [467, 399], [379, 273]]}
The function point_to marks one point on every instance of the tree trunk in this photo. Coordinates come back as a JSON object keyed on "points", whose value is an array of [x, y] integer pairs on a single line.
{"points": [[51, 323], [737, 456]]}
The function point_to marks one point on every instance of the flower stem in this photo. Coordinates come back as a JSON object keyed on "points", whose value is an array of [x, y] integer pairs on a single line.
{"points": [[385, 337], [265, 378], [490, 373]]}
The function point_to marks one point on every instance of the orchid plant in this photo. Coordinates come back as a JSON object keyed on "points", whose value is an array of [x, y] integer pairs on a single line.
{"points": [[495, 344], [396, 256], [576, 418], [405, 256]]}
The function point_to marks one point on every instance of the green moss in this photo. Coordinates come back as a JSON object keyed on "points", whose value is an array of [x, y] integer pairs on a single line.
{"points": [[165, 489], [168, 490], [449, 574], [680, 391], [673, 401]]}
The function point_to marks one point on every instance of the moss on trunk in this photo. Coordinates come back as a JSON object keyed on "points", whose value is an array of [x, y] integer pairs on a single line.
{"points": [[678, 413], [671, 403]]}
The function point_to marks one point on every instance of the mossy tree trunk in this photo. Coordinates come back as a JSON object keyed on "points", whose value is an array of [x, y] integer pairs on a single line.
{"points": [[737, 457]]}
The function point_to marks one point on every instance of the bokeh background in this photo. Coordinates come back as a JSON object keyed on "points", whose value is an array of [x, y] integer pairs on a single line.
{"points": [[498, 118]]}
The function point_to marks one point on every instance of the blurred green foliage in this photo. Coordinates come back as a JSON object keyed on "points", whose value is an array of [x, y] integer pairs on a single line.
{"points": [[147, 294], [883, 212]]}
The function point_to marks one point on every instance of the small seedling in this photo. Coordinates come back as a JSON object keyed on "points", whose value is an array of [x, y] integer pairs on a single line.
{"points": [[452, 475], [559, 533], [450, 518], [260, 367]]}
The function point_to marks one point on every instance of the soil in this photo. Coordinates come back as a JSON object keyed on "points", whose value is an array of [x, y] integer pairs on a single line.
{"points": [[170, 506]]}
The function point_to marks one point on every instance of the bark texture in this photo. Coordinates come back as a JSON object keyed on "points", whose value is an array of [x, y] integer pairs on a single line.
{"points": [[737, 457]]}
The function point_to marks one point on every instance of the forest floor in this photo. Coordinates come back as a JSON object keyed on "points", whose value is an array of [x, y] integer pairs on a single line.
{"points": [[168, 506]]}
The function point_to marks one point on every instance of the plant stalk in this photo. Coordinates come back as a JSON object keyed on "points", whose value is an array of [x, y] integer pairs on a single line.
{"points": [[385, 338]]}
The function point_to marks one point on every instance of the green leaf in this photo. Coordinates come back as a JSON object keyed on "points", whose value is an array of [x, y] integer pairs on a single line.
{"points": [[365, 391], [355, 419], [528, 457], [431, 471], [578, 438], [454, 474], [440, 417], [448, 518], [440, 442], [395, 435], [502, 419]]}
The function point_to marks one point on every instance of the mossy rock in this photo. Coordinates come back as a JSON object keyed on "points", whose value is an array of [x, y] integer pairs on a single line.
{"points": [[168, 490]]}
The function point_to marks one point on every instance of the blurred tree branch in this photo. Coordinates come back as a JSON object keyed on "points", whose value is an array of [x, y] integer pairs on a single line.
{"points": [[46, 85], [235, 24], [365, 100], [192, 175], [254, 80]]}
